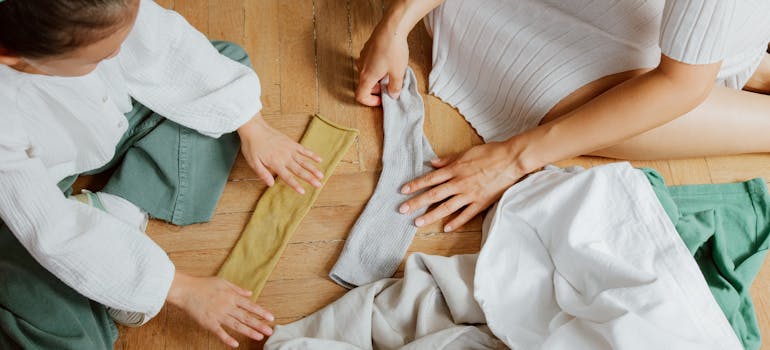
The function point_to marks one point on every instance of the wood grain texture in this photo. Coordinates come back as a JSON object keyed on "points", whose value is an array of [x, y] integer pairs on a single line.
{"points": [[304, 52]]}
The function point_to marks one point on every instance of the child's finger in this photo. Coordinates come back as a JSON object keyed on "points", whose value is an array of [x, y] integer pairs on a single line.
{"points": [[237, 325], [311, 168], [246, 318], [305, 175], [252, 307], [263, 173], [289, 179], [310, 154], [238, 289], [226, 338]]}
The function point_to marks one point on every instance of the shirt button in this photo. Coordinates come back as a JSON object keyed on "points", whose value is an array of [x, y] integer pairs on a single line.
{"points": [[105, 98]]}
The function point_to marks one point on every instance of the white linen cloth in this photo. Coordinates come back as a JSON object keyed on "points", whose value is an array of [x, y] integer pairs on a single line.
{"points": [[580, 259]]}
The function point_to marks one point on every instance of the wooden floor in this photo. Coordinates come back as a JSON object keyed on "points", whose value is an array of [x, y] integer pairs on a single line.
{"points": [[303, 51]]}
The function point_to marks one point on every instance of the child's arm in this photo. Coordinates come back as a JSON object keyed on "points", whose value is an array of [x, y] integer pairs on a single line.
{"points": [[174, 70], [94, 253]]}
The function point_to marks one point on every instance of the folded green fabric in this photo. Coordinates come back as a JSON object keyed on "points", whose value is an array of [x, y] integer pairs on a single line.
{"points": [[727, 229]]}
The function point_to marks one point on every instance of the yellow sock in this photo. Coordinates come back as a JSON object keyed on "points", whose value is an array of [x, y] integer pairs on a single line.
{"points": [[281, 209]]}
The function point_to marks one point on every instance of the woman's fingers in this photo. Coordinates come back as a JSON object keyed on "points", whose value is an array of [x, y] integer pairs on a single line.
{"points": [[250, 306], [224, 337], [434, 195], [366, 83], [445, 209], [431, 179], [465, 216], [263, 173], [442, 162], [395, 83]]}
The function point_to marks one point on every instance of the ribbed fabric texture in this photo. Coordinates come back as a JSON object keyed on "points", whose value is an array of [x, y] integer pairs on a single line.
{"points": [[695, 31], [381, 235], [280, 210], [504, 64]]}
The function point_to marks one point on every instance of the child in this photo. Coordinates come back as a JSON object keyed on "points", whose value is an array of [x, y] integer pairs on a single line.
{"points": [[87, 85]]}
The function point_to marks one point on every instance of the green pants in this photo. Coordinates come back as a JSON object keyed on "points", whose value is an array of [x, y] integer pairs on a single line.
{"points": [[172, 172], [726, 228]]}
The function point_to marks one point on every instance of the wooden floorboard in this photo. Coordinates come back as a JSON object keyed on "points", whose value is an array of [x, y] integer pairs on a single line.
{"points": [[304, 52]]}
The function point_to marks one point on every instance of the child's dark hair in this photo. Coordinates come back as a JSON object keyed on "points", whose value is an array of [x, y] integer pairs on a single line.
{"points": [[42, 28]]}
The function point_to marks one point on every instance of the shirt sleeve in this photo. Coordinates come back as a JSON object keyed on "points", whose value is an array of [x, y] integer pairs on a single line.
{"points": [[92, 252], [173, 69], [695, 31]]}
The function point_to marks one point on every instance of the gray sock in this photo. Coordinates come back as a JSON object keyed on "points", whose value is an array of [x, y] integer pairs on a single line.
{"points": [[379, 239]]}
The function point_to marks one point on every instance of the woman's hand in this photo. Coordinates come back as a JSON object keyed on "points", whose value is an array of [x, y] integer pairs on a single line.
{"points": [[216, 303], [269, 151], [473, 180], [386, 53]]}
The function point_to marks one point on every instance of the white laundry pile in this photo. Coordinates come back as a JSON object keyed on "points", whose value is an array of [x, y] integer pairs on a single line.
{"points": [[582, 259]]}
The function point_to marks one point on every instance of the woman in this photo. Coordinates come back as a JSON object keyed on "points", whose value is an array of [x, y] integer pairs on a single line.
{"points": [[543, 81], [79, 81]]}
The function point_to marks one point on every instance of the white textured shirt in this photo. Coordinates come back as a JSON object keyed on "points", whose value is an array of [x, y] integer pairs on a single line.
{"points": [[54, 127], [505, 63]]}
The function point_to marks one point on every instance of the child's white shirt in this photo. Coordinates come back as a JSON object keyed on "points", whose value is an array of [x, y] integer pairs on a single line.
{"points": [[54, 127]]}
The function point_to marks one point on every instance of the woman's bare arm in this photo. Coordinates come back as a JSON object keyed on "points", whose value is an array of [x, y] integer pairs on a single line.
{"points": [[472, 181]]}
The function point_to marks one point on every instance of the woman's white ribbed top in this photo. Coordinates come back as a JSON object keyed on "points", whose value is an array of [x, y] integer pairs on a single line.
{"points": [[505, 63]]}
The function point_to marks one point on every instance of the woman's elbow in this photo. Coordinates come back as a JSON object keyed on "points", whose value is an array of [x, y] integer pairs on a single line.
{"points": [[691, 82]]}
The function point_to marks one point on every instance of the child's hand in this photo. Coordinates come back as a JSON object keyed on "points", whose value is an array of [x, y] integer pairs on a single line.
{"points": [[269, 151], [216, 303]]}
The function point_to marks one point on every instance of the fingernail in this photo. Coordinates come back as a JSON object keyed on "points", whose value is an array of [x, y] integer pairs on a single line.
{"points": [[234, 344], [447, 228], [403, 209], [405, 189], [435, 160], [316, 184], [270, 318], [419, 222], [301, 191]]}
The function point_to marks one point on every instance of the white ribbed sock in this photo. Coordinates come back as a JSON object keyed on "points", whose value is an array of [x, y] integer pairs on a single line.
{"points": [[379, 239]]}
